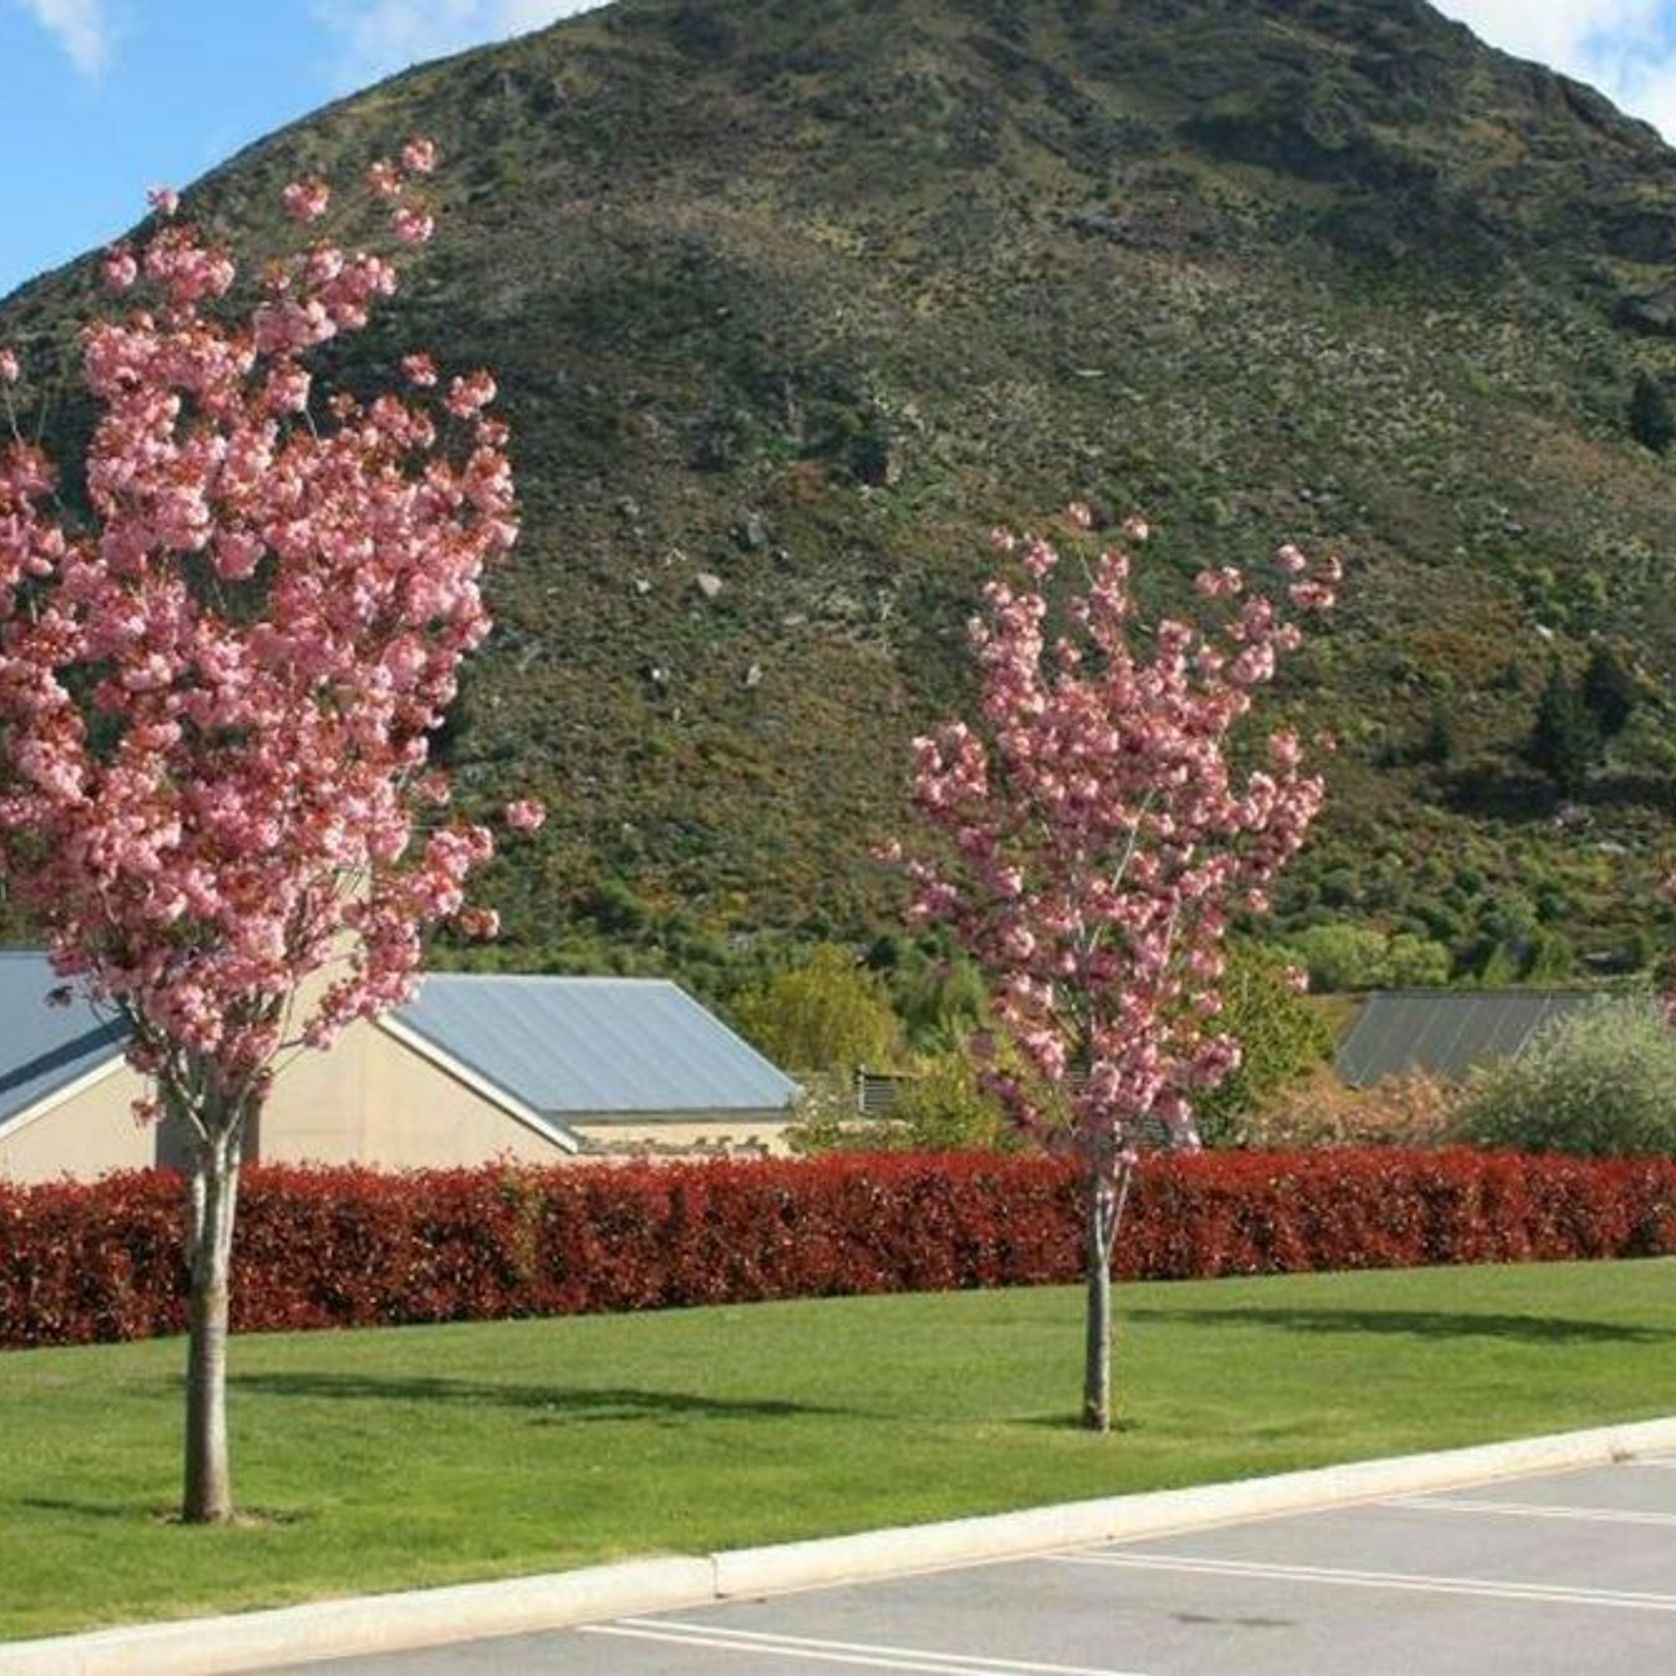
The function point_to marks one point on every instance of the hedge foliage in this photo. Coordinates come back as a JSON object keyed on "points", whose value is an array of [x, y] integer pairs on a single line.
{"points": [[342, 1248]]}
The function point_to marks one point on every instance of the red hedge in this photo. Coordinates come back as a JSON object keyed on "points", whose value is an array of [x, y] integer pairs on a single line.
{"points": [[331, 1248]]}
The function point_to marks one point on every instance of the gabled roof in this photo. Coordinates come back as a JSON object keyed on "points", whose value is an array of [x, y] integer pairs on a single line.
{"points": [[603, 1046], [1445, 1033], [542, 1047], [45, 1049]]}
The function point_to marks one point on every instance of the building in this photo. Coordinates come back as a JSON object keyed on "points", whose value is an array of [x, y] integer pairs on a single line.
{"points": [[477, 1068], [1446, 1033]]}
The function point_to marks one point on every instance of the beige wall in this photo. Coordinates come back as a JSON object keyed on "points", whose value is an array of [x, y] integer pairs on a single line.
{"points": [[85, 1135], [716, 1132], [371, 1100], [374, 1100]]}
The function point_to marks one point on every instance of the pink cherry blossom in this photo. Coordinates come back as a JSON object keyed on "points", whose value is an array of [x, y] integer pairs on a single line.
{"points": [[419, 156], [164, 199], [411, 226], [306, 200], [215, 712], [525, 815], [468, 396], [120, 268], [1090, 835], [9, 369]]}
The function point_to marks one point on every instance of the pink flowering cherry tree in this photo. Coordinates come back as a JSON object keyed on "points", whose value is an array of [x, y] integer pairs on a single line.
{"points": [[217, 690], [1093, 834]]}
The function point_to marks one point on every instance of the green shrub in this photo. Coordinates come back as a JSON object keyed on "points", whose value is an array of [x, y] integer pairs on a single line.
{"points": [[940, 1000], [1652, 421], [1341, 957], [1565, 737], [830, 1014], [938, 1108], [1413, 962], [1599, 1083], [945, 1110], [1281, 1036]]}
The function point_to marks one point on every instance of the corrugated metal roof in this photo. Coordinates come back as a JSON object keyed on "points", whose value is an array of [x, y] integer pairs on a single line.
{"points": [[42, 1048], [561, 1045], [568, 1046], [1445, 1033]]}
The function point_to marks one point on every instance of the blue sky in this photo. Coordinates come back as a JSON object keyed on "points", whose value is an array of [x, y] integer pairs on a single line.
{"points": [[103, 98]]}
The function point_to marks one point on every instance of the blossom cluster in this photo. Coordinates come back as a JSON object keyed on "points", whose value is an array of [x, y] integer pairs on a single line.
{"points": [[1097, 833], [216, 698]]}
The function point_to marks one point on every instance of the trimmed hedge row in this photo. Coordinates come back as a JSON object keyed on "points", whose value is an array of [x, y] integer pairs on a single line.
{"points": [[340, 1248]]}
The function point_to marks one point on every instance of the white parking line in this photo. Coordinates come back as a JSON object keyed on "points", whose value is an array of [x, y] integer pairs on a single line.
{"points": [[1529, 1510], [1662, 1466], [854, 1653], [1552, 1594]]}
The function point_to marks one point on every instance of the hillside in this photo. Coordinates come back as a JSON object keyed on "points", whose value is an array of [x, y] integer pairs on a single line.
{"points": [[798, 298]]}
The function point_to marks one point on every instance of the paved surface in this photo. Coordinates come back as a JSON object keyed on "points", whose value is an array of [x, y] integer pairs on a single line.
{"points": [[1568, 1572]]}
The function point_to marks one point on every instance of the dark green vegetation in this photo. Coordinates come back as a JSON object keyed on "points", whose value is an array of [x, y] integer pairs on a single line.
{"points": [[1599, 1082], [379, 1460], [791, 300]]}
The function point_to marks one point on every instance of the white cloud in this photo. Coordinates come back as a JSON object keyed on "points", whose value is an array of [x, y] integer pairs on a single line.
{"points": [[1626, 48], [379, 37], [80, 28]]}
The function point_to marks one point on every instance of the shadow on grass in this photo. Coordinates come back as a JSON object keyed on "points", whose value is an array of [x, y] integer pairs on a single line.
{"points": [[545, 1403], [1413, 1323], [125, 1512], [1072, 1423]]}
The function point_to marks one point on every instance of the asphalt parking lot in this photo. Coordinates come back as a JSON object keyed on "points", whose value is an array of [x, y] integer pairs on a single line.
{"points": [[1568, 1572]]}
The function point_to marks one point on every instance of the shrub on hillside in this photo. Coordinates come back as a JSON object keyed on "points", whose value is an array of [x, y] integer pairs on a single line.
{"points": [[1343, 958], [1600, 1083]]}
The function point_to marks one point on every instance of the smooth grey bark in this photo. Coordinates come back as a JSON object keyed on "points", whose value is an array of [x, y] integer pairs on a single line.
{"points": [[1107, 1194], [219, 1128]]}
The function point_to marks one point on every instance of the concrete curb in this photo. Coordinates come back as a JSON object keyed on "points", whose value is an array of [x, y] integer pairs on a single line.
{"points": [[395, 1622]]}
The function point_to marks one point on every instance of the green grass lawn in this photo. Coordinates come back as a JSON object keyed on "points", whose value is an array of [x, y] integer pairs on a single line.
{"points": [[415, 1456]]}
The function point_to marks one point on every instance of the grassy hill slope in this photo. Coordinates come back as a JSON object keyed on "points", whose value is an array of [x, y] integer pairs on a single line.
{"points": [[802, 297]]}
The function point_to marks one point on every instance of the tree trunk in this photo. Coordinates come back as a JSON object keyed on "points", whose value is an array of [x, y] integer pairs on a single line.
{"points": [[1106, 1196], [215, 1194]]}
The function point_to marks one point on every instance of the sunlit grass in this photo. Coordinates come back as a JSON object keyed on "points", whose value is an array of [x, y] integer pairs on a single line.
{"points": [[405, 1457]]}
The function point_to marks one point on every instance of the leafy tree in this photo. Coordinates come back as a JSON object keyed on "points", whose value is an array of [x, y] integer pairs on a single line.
{"points": [[1440, 743], [1340, 957], [829, 1014], [1652, 422], [1413, 962], [941, 1002], [1609, 691], [1281, 1037], [941, 1106], [1600, 1082], [946, 1108], [1095, 835], [1564, 738], [216, 700]]}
